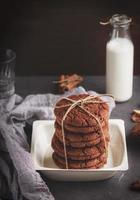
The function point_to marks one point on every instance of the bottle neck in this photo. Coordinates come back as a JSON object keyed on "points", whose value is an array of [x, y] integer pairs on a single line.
{"points": [[122, 32]]}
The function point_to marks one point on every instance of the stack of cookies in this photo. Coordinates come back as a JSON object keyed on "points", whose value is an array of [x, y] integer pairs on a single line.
{"points": [[81, 130]]}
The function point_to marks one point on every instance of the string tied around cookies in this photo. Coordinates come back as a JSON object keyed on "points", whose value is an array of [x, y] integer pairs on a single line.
{"points": [[81, 103]]}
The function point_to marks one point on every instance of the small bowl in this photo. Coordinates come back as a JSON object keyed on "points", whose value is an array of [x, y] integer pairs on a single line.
{"points": [[41, 152]]}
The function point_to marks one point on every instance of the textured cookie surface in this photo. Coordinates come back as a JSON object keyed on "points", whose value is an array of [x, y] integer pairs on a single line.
{"points": [[77, 139], [78, 144], [78, 118], [86, 164], [77, 153], [84, 128]]}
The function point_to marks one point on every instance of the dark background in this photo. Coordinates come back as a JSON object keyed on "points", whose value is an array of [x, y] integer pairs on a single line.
{"points": [[55, 37]]}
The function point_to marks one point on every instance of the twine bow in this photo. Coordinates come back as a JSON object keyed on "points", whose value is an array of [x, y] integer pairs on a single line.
{"points": [[80, 103]]}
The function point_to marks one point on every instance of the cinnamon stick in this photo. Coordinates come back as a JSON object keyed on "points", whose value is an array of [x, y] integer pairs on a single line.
{"points": [[68, 82]]}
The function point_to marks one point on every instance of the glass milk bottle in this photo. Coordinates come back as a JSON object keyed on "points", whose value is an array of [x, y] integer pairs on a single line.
{"points": [[119, 59]]}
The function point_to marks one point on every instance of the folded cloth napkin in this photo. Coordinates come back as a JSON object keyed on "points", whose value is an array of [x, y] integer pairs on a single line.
{"points": [[18, 178]]}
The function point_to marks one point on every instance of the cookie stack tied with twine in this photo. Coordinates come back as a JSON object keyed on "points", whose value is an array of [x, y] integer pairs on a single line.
{"points": [[81, 133]]}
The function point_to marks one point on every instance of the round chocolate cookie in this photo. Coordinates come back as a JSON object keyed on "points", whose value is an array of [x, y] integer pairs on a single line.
{"points": [[78, 119], [79, 139], [79, 144], [77, 153], [86, 164]]}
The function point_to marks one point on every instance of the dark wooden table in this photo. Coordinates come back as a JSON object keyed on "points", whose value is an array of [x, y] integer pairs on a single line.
{"points": [[116, 188]]}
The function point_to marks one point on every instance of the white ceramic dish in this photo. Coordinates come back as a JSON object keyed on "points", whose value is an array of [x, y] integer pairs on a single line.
{"points": [[42, 154]]}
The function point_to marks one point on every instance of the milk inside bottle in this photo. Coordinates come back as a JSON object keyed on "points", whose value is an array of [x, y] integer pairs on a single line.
{"points": [[119, 60]]}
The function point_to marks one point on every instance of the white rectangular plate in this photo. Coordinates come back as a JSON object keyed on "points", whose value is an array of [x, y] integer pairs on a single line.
{"points": [[41, 151]]}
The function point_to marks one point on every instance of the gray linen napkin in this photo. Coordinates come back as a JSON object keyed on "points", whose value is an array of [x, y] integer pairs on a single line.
{"points": [[18, 178]]}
